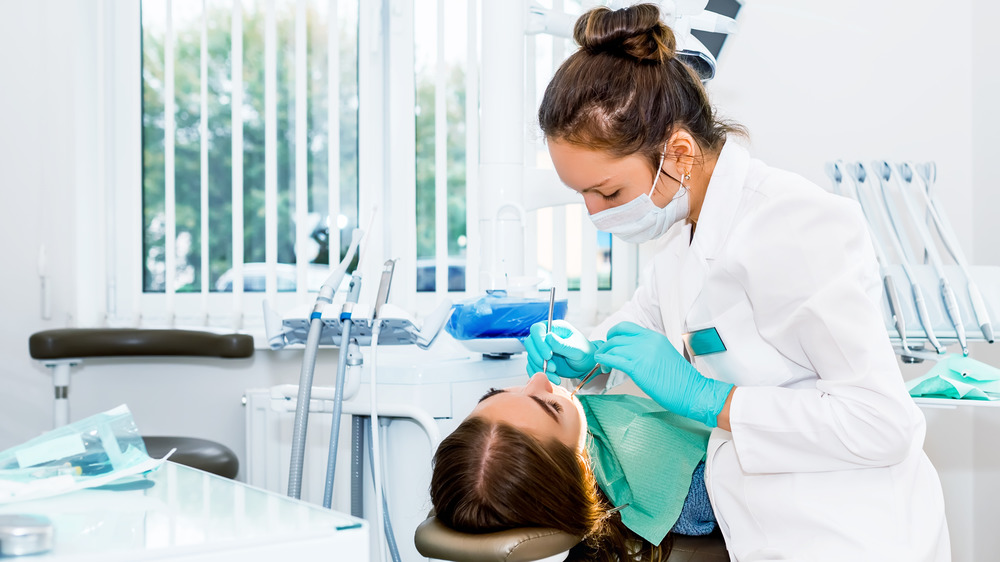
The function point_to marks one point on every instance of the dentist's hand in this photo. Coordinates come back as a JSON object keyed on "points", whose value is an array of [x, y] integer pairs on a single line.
{"points": [[662, 373], [568, 351]]}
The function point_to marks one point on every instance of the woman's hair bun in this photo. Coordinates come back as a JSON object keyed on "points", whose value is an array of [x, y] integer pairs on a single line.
{"points": [[634, 32]]}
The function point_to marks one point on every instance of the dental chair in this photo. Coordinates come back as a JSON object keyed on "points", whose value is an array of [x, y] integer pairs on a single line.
{"points": [[62, 349], [435, 540]]}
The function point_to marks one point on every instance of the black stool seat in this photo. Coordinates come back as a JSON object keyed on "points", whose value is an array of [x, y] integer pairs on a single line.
{"points": [[197, 453]]}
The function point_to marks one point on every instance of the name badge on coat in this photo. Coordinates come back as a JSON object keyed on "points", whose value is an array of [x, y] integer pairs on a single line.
{"points": [[703, 342]]}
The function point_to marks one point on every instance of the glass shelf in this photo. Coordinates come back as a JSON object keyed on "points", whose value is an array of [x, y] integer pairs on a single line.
{"points": [[178, 512]]}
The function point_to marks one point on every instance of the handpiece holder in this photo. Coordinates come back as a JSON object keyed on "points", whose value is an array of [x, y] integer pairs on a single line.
{"points": [[923, 319]]}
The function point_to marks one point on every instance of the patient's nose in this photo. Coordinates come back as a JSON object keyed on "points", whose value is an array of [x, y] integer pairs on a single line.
{"points": [[538, 383]]}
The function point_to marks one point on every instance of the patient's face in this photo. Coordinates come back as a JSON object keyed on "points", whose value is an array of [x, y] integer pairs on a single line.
{"points": [[538, 408]]}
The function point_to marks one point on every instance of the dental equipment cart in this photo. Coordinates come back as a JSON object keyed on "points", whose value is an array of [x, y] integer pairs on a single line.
{"points": [[181, 513]]}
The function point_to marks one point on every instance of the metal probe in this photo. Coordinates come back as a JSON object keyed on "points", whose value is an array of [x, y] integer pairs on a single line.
{"points": [[552, 304], [586, 378]]}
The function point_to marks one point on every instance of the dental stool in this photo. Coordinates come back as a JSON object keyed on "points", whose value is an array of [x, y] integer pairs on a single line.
{"points": [[435, 540], [62, 349]]}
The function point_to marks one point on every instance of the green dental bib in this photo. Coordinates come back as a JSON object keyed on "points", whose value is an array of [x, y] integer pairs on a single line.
{"points": [[643, 456]]}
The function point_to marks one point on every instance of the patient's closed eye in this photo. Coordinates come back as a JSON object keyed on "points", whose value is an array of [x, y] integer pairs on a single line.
{"points": [[550, 406]]}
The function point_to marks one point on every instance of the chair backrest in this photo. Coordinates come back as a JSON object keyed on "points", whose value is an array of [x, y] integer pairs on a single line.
{"points": [[435, 540]]}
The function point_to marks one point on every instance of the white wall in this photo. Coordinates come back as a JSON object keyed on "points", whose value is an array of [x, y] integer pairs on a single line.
{"points": [[858, 80], [36, 95], [813, 81], [986, 199]]}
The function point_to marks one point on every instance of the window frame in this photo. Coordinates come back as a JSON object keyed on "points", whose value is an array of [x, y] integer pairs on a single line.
{"points": [[386, 152]]}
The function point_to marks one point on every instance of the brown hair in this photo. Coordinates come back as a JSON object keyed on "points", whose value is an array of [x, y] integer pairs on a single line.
{"points": [[491, 476], [624, 91]]}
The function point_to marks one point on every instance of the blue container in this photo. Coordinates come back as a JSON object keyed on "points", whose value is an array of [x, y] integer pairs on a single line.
{"points": [[495, 315]]}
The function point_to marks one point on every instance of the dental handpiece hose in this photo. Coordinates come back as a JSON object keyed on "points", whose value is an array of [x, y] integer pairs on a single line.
{"points": [[338, 397], [836, 173], [947, 234], [548, 328], [975, 296], [382, 525], [947, 294], [886, 212]]}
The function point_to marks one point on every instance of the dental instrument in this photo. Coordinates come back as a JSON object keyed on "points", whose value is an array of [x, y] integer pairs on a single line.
{"points": [[895, 222], [585, 379], [904, 174], [862, 181], [384, 531], [927, 173], [548, 327], [836, 173]]}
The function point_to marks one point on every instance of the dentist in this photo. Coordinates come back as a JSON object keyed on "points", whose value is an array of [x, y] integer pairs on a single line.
{"points": [[759, 315]]}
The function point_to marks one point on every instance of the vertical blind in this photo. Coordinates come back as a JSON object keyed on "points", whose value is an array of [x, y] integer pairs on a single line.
{"points": [[213, 249]]}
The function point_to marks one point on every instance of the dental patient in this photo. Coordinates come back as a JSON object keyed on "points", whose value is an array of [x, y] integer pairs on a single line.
{"points": [[616, 470]]}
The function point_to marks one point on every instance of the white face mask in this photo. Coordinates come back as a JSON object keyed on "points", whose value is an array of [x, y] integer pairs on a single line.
{"points": [[640, 220]]}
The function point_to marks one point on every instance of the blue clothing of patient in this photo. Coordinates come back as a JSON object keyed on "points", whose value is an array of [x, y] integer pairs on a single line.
{"points": [[696, 516], [651, 461]]}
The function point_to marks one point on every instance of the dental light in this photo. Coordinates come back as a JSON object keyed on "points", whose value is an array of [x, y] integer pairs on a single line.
{"points": [[683, 17]]}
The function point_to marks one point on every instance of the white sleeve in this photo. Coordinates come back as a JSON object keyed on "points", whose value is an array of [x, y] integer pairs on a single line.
{"points": [[809, 270]]}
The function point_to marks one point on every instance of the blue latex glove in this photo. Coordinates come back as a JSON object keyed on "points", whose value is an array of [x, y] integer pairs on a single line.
{"points": [[662, 373], [568, 351]]}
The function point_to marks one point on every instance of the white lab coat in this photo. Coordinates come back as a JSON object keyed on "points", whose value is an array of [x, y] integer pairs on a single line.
{"points": [[825, 457]]}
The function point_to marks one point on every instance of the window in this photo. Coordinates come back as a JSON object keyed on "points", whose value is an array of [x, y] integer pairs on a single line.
{"points": [[270, 129], [249, 142], [440, 57], [567, 264]]}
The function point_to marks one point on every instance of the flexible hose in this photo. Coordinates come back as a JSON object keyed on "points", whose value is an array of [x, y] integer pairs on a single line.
{"points": [[338, 406], [390, 537], [357, 466], [376, 456], [302, 408]]}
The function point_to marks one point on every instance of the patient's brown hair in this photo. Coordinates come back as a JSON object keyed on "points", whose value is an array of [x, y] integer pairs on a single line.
{"points": [[490, 476]]}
